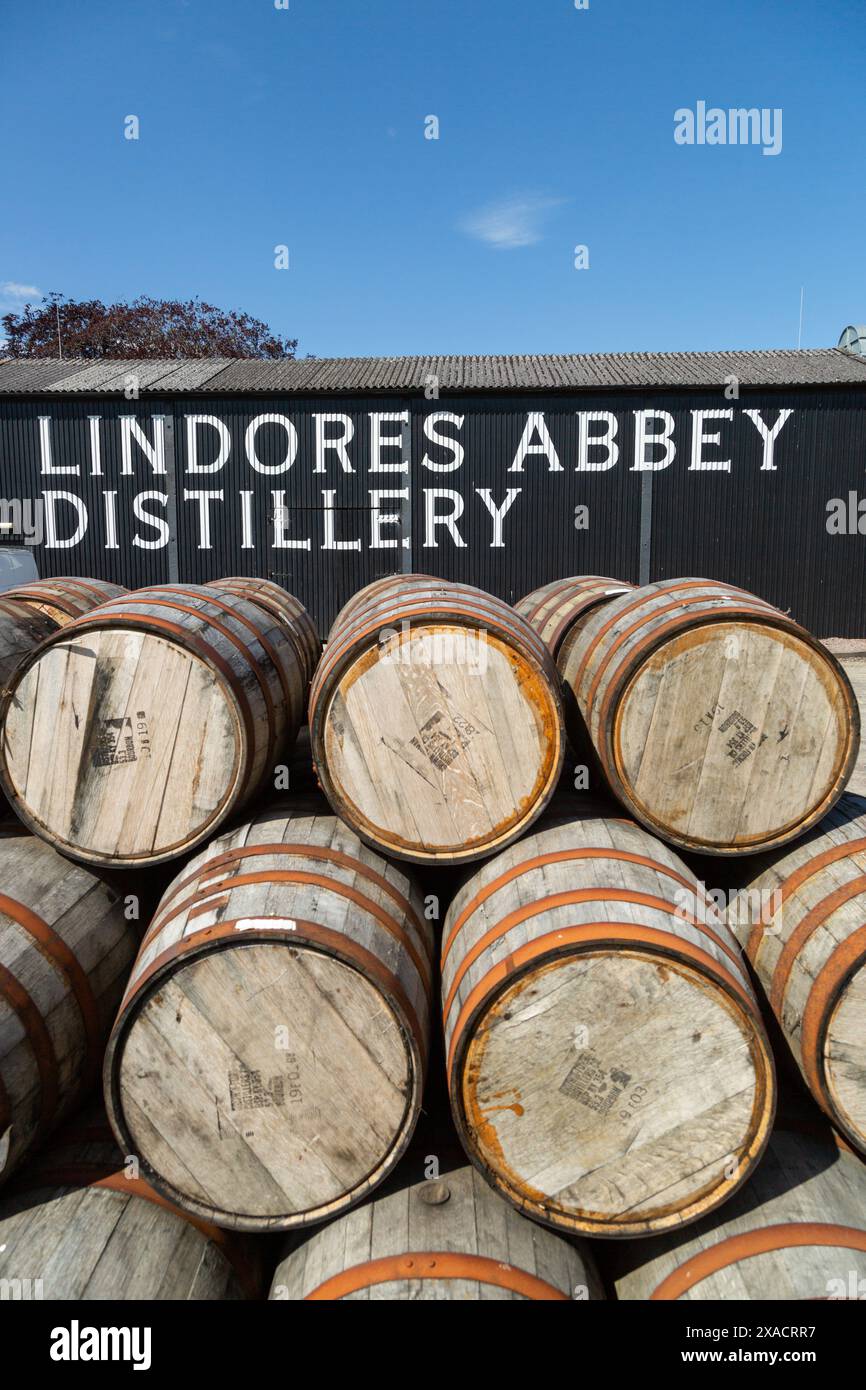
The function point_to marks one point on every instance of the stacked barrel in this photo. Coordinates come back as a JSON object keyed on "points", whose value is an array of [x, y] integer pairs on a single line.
{"points": [[436, 720], [79, 1224], [263, 1029], [134, 731], [587, 983], [268, 1060]]}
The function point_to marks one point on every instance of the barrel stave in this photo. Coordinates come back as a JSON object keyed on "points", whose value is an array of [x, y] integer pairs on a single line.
{"points": [[455, 1216], [76, 1221], [799, 916], [805, 1189], [55, 1012], [557, 609], [291, 613], [65, 597]]}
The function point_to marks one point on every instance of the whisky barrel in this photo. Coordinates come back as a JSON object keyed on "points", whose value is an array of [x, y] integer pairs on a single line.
{"points": [[387, 584], [267, 1062], [797, 1230], [21, 630], [436, 721], [65, 597], [718, 722], [560, 609], [135, 731], [282, 605], [66, 950], [800, 918], [448, 1238], [78, 1223], [607, 1066]]}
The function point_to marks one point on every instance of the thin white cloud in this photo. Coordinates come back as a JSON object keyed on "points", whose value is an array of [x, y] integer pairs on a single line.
{"points": [[511, 222], [13, 290]]}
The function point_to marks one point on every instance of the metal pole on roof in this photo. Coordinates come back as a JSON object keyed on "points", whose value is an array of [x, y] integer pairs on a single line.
{"points": [[59, 341]]}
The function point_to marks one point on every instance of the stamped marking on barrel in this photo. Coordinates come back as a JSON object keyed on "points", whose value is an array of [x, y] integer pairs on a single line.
{"points": [[589, 1083], [440, 748], [741, 745], [115, 742], [249, 1091]]}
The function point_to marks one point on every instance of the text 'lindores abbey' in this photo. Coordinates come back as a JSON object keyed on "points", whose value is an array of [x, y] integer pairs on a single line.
{"points": [[116, 453]]}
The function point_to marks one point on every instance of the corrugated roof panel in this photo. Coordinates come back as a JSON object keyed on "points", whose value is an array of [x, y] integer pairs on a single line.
{"points": [[587, 371], [38, 374]]}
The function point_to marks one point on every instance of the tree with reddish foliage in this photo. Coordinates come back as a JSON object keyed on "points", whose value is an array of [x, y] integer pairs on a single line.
{"points": [[143, 328]]}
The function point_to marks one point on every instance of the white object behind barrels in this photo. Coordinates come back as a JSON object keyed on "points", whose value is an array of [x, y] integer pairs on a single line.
{"points": [[801, 918], [447, 1239], [268, 1060], [797, 1230], [436, 720], [608, 1069], [718, 722], [135, 731], [66, 950]]}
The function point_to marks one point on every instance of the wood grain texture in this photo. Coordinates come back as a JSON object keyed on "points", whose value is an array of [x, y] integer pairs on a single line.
{"points": [[436, 721], [800, 914], [22, 628], [805, 1190], [66, 950], [557, 609], [717, 721], [267, 1062], [451, 1239], [277, 601], [79, 1222], [133, 734], [65, 597], [608, 1070]]}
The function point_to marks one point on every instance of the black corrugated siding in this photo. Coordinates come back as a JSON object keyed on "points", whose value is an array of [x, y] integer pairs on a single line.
{"points": [[766, 531]]}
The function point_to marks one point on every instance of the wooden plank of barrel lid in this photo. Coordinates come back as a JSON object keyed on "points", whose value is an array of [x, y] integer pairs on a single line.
{"points": [[283, 605], [800, 917], [717, 720], [557, 609], [133, 733], [607, 1065], [436, 721], [66, 596], [445, 1239], [796, 1230], [267, 1062], [79, 1224], [66, 950]]}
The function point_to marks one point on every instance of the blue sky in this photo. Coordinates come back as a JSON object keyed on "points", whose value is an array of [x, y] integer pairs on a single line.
{"points": [[305, 127]]}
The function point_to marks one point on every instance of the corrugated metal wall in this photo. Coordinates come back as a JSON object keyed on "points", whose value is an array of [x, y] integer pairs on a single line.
{"points": [[766, 530]]}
